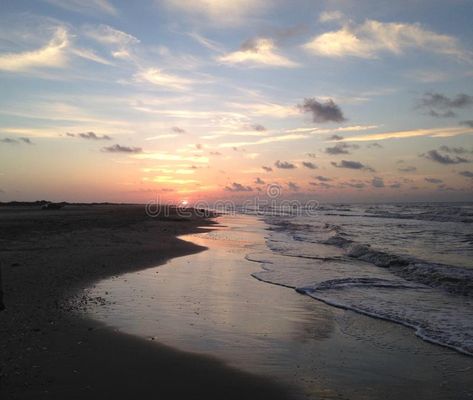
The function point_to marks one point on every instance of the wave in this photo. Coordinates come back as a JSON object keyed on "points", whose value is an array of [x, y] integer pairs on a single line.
{"points": [[443, 321], [454, 279], [425, 212], [448, 326], [333, 260]]}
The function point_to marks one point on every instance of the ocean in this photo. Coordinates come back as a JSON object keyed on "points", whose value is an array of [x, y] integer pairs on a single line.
{"points": [[407, 263]]}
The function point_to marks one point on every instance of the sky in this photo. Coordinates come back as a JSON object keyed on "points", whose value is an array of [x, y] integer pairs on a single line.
{"points": [[331, 100]]}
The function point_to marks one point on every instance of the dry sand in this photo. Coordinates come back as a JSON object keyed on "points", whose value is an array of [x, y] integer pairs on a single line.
{"points": [[47, 351]]}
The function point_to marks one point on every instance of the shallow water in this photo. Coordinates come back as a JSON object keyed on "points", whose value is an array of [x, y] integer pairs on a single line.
{"points": [[409, 264], [208, 303]]}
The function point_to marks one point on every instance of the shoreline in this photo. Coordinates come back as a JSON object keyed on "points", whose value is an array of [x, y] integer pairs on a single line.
{"points": [[210, 303], [48, 351]]}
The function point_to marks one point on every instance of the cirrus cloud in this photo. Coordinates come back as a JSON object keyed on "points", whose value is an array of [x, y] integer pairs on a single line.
{"points": [[371, 38], [87, 7], [157, 77], [52, 55], [257, 52]]}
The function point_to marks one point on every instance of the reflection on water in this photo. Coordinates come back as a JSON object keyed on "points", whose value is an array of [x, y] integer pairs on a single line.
{"points": [[209, 303]]}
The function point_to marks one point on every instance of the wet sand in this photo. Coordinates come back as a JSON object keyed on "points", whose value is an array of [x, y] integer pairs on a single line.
{"points": [[208, 303], [48, 351]]}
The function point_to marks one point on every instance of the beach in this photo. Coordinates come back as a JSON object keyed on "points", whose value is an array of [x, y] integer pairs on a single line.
{"points": [[107, 302], [49, 351], [211, 304]]}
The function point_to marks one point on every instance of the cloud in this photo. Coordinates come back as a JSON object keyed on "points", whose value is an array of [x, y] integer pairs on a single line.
{"points": [[16, 141], [439, 105], [374, 145], [271, 139], [468, 123], [433, 180], [335, 137], [328, 16], [163, 136], [438, 100], [311, 155], [322, 178], [259, 181], [215, 153], [258, 52], [408, 169], [116, 148], [322, 112], [309, 165], [89, 136], [466, 174], [356, 185], [444, 114], [258, 127], [455, 150], [209, 44], [26, 140], [284, 165], [395, 185], [432, 132], [351, 165], [267, 169], [53, 55], [176, 129], [317, 130], [120, 42], [323, 185], [266, 109], [157, 77], [434, 155], [109, 36], [87, 7], [9, 140], [238, 187], [90, 55], [340, 148], [377, 182], [372, 38], [293, 186]]}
